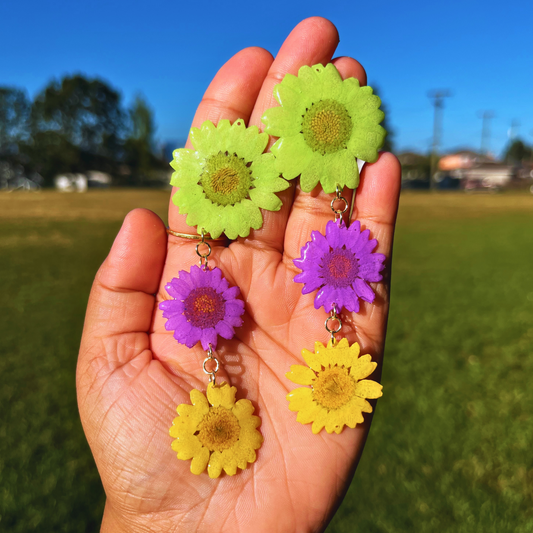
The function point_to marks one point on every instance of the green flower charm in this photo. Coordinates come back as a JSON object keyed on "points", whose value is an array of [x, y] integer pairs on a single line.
{"points": [[323, 125], [227, 179]]}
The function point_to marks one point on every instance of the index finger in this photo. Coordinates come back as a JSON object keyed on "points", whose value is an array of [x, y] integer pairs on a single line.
{"points": [[231, 95]]}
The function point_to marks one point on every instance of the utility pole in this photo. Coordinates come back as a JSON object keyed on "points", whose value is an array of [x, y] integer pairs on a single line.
{"points": [[437, 95], [513, 130], [485, 130]]}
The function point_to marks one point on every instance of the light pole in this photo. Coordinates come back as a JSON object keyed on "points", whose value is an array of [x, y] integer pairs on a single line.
{"points": [[485, 130], [513, 130], [437, 95]]}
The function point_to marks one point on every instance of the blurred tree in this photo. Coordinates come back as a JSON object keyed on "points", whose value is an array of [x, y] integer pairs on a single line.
{"points": [[518, 152], [14, 119], [142, 121], [388, 145], [143, 164], [87, 112], [79, 124], [50, 153], [82, 119], [14, 131]]}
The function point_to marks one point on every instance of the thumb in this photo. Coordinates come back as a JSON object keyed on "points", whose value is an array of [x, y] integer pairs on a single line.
{"points": [[122, 298]]}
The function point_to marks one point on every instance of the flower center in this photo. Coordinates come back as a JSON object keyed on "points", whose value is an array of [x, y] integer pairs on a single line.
{"points": [[333, 387], [226, 179], [204, 307], [219, 429], [327, 127], [339, 268]]}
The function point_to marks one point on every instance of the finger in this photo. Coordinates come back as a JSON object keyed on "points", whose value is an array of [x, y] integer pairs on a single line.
{"points": [[122, 297], [376, 204], [313, 41], [234, 89], [376, 207], [376, 201], [231, 95], [350, 68], [312, 211]]}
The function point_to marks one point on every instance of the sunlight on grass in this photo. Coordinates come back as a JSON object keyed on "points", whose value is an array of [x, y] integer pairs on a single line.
{"points": [[450, 446], [449, 450]]}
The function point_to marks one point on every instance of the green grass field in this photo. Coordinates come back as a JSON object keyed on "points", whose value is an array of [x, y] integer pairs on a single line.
{"points": [[450, 446]]}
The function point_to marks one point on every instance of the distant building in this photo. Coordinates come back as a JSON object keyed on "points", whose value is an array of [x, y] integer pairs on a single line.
{"points": [[462, 159], [476, 171], [414, 166], [415, 170], [486, 175], [95, 178]]}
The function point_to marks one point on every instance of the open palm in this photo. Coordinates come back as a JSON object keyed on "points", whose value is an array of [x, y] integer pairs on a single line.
{"points": [[132, 374]]}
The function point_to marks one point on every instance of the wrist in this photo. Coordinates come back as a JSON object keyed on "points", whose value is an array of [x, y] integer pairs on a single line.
{"points": [[110, 521], [118, 522]]}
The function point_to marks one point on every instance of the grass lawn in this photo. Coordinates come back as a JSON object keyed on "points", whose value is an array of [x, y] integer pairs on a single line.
{"points": [[450, 446]]}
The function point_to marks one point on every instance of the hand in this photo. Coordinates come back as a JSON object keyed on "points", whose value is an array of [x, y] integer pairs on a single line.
{"points": [[132, 373]]}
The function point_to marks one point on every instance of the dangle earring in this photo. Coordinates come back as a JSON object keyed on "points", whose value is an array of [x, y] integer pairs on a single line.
{"points": [[222, 183], [327, 128]]}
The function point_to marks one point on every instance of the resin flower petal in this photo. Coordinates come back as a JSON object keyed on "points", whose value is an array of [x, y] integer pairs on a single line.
{"points": [[203, 307], [338, 390], [339, 265], [219, 435], [227, 179], [324, 124]]}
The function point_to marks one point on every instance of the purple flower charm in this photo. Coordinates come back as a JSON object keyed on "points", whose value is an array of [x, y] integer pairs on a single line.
{"points": [[203, 307], [340, 264]]}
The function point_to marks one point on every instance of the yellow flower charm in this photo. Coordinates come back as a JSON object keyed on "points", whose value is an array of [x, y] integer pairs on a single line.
{"points": [[338, 392], [216, 431]]}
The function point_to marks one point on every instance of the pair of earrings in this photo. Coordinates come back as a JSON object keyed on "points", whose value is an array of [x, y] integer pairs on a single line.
{"points": [[325, 127]]}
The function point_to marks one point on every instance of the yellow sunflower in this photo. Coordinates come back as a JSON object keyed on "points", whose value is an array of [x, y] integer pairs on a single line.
{"points": [[216, 431], [338, 392]]}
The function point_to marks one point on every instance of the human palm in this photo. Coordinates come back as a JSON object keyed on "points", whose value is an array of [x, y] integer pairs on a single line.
{"points": [[132, 374]]}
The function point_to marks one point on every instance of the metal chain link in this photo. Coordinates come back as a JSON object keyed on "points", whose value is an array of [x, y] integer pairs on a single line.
{"points": [[211, 373], [333, 316], [203, 257], [338, 216], [339, 198]]}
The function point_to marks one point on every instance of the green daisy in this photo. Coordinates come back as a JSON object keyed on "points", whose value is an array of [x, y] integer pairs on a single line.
{"points": [[227, 179], [324, 124]]}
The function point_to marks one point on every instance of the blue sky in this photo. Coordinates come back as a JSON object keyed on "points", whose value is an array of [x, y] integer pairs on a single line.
{"points": [[169, 51]]}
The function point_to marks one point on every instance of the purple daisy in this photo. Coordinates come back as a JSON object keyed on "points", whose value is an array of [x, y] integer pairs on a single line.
{"points": [[340, 264], [204, 306]]}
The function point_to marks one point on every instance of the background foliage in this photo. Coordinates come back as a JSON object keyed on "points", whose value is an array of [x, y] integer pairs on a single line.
{"points": [[75, 125], [449, 448]]}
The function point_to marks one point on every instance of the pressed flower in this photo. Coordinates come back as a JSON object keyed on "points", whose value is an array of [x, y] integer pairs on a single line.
{"points": [[337, 393], [340, 264], [216, 432], [324, 124], [227, 179], [203, 307]]}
